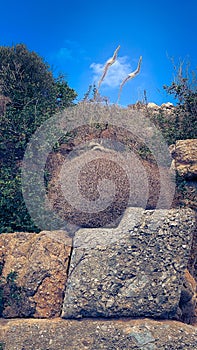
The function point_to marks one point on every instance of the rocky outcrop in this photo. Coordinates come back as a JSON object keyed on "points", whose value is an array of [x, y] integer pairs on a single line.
{"points": [[188, 299], [134, 270], [138, 269], [39, 262], [152, 108], [102, 175], [89, 334], [184, 153]]}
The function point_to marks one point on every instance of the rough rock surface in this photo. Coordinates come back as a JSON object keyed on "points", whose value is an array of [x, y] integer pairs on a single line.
{"points": [[153, 107], [134, 270], [137, 184], [188, 299], [120, 334], [108, 164], [41, 263], [184, 153], [185, 156]]}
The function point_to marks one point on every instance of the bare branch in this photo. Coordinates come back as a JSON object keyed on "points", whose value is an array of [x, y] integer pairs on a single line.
{"points": [[109, 63], [129, 77]]}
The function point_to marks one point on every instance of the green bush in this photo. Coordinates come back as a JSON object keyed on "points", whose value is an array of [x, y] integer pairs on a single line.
{"points": [[182, 124], [29, 95]]}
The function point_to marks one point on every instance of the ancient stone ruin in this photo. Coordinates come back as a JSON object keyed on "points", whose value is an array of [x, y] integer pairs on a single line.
{"points": [[132, 286]]}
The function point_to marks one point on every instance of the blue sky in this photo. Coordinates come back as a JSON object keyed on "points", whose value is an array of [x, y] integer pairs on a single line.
{"points": [[77, 37]]}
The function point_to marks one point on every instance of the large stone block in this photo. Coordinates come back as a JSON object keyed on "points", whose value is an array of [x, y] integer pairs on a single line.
{"points": [[89, 334], [188, 301], [40, 262], [136, 269], [185, 158]]}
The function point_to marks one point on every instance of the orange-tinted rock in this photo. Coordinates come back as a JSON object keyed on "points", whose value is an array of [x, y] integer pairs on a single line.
{"points": [[188, 300], [185, 155], [40, 262]]}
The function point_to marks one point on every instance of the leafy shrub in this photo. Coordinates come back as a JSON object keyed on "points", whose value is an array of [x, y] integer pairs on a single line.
{"points": [[29, 95], [182, 123]]}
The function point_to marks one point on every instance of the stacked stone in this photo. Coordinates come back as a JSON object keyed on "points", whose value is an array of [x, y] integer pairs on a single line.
{"points": [[135, 270], [136, 273]]}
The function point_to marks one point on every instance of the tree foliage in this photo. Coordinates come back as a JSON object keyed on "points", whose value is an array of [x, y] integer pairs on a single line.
{"points": [[29, 95], [181, 122], [184, 89]]}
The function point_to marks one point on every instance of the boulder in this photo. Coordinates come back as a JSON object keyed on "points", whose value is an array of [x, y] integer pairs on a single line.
{"points": [[34, 270], [93, 186], [152, 108], [153, 105], [188, 300], [58, 334], [167, 105], [134, 270], [184, 153], [185, 156]]}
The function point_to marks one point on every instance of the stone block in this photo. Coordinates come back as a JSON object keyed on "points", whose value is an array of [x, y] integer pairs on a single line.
{"points": [[40, 262], [58, 334], [134, 270], [185, 156]]}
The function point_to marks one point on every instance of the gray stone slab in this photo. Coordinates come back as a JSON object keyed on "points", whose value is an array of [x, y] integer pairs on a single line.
{"points": [[134, 270], [88, 334]]}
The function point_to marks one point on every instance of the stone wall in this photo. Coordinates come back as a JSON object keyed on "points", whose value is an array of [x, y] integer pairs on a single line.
{"points": [[132, 287], [134, 271], [184, 154], [59, 334]]}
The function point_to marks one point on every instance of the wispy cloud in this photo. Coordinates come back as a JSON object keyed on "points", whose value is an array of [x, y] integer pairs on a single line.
{"points": [[64, 54], [69, 53], [116, 73]]}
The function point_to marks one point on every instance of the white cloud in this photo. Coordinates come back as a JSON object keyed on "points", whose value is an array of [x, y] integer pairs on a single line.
{"points": [[116, 73], [64, 54]]}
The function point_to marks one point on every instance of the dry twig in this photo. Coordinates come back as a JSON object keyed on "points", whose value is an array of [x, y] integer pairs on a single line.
{"points": [[129, 77], [109, 63]]}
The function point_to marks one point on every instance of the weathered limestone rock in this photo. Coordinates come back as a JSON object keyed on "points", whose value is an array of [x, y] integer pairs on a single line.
{"points": [[185, 156], [41, 263], [105, 183], [188, 300], [134, 270], [58, 334], [184, 153]]}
